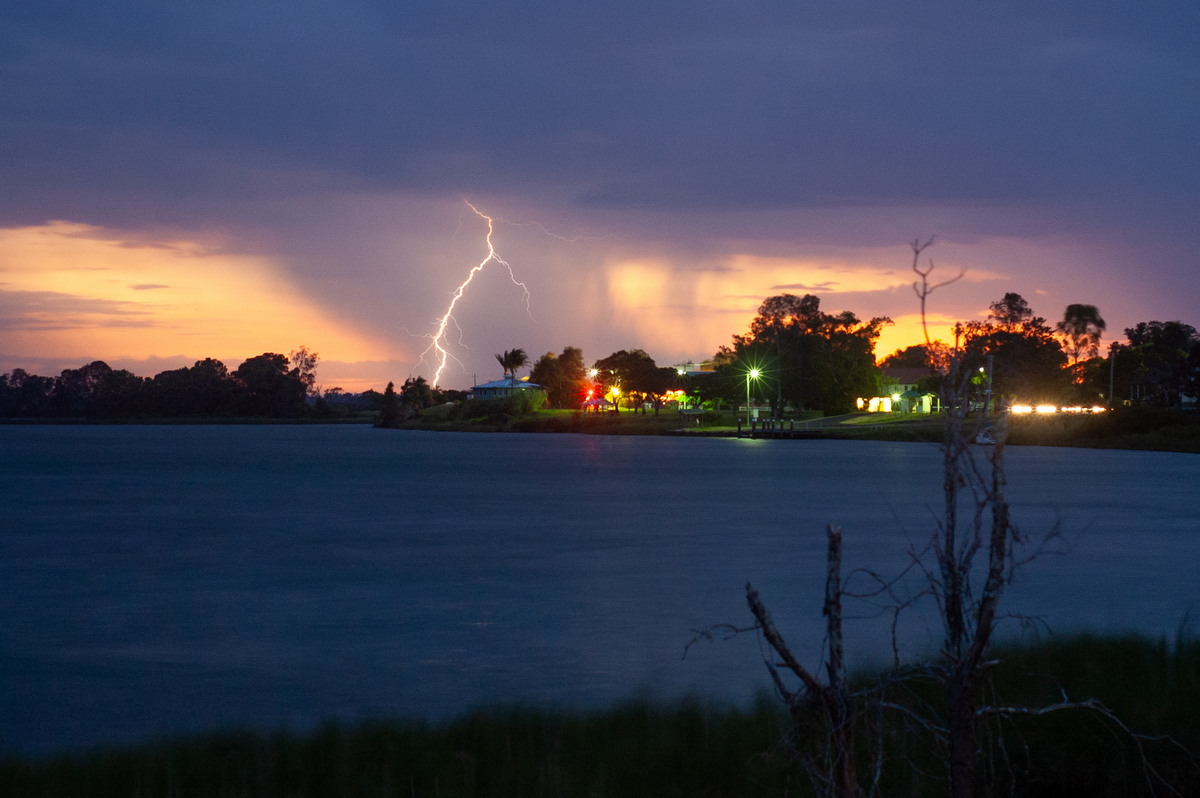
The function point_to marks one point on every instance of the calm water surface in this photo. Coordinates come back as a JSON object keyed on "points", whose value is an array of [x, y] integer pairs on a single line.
{"points": [[164, 579]]}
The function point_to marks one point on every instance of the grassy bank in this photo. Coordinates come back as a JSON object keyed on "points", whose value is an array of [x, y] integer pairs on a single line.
{"points": [[494, 417], [1149, 429], [636, 749], [1143, 428], [684, 749]]}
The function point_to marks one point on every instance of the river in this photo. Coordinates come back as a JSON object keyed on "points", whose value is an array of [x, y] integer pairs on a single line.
{"points": [[166, 579]]}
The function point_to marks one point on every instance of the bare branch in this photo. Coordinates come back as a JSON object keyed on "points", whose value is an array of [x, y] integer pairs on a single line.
{"points": [[1095, 706], [777, 643], [723, 631], [922, 287]]}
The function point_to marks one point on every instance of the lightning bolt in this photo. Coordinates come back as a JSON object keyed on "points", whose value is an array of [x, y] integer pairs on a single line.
{"points": [[438, 341]]}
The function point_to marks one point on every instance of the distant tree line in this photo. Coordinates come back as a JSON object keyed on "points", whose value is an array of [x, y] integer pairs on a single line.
{"points": [[1157, 365], [269, 385], [802, 359]]}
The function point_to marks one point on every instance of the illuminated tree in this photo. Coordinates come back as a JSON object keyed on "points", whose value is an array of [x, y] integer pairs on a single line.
{"points": [[563, 377], [635, 373], [809, 358]]}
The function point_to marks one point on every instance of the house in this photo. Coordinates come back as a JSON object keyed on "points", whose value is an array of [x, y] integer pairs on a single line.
{"points": [[503, 387], [693, 369], [598, 404], [901, 393]]}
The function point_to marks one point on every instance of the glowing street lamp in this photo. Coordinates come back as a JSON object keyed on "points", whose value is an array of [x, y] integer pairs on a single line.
{"points": [[751, 374]]}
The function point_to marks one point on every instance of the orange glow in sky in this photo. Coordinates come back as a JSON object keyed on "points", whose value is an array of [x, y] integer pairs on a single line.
{"points": [[71, 293], [673, 310], [77, 291]]}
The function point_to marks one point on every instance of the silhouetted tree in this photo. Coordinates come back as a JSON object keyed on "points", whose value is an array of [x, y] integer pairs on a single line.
{"points": [[25, 395], [1081, 328], [76, 390], [1012, 313], [935, 355], [511, 361], [1161, 362], [204, 389], [1027, 360], [416, 395], [389, 410], [269, 387], [121, 394], [304, 361]]}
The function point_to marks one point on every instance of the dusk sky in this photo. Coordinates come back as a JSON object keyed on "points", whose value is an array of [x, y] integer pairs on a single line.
{"points": [[222, 179]]}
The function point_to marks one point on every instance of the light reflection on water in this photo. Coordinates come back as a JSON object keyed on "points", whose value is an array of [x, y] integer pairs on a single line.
{"points": [[172, 578]]}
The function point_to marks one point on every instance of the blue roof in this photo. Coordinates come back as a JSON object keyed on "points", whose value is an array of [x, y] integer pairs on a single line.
{"points": [[506, 383]]}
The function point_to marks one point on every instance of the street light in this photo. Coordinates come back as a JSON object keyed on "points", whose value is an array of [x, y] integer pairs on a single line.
{"points": [[751, 374]]}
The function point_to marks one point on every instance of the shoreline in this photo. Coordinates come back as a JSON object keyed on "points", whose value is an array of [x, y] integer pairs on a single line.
{"points": [[1139, 429]]}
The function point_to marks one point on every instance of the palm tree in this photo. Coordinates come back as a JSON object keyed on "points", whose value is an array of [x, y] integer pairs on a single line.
{"points": [[1081, 326], [510, 361]]}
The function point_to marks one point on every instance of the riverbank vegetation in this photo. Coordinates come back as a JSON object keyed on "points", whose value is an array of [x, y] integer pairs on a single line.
{"points": [[794, 360], [681, 748]]}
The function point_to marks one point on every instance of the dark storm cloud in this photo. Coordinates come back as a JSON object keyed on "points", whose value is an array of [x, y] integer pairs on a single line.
{"points": [[173, 111]]}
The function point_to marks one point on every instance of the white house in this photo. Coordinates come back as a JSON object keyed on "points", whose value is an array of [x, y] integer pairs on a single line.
{"points": [[901, 394]]}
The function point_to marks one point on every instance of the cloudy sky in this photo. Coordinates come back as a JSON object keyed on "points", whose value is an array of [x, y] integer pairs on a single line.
{"points": [[222, 179]]}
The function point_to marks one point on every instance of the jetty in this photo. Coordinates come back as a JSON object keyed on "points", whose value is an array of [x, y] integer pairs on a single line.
{"points": [[775, 428]]}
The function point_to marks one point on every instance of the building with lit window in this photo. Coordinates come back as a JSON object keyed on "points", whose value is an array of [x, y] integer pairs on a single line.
{"points": [[901, 393]]}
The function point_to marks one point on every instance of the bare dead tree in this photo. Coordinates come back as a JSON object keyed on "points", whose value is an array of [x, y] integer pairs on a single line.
{"points": [[922, 287], [832, 769], [968, 622]]}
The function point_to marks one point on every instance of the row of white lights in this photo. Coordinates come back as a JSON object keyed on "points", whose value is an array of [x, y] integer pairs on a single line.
{"points": [[1048, 409]]}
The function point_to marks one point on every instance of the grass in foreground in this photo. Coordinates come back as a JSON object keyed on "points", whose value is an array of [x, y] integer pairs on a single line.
{"points": [[687, 749], [682, 749]]}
